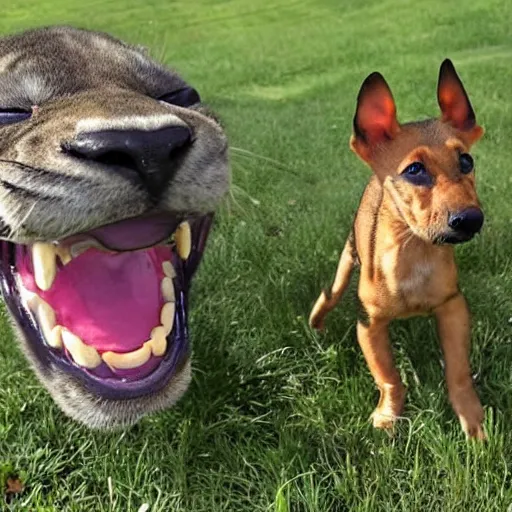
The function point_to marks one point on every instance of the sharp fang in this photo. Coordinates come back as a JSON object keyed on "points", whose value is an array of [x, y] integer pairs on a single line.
{"points": [[183, 240], [63, 253], [158, 341], [128, 360], [167, 317], [46, 320], [168, 269], [168, 290], [82, 354], [54, 339], [45, 265]]}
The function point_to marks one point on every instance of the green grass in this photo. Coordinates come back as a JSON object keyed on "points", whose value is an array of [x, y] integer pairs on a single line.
{"points": [[277, 417]]}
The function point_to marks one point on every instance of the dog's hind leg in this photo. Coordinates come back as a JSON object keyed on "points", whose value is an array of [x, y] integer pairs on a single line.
{"points": [[329, 298]]}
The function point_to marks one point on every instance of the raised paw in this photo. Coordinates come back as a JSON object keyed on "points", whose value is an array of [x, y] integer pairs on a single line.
{"points": [[320, 309], [316, 322]]}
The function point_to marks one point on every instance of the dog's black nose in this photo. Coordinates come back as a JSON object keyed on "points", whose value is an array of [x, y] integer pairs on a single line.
{"points": [[150, 154], [467, 222]]}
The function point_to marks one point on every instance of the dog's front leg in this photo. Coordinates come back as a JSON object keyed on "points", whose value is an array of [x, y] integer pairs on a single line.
{"points": [[453, 323], [374, 341]]}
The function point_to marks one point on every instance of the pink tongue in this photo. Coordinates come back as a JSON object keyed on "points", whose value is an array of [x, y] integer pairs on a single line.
{"points": [[111, 301]]}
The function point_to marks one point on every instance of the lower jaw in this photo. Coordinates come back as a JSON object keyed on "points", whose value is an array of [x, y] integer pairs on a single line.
{"points": [[101, 382], [453, 240]]}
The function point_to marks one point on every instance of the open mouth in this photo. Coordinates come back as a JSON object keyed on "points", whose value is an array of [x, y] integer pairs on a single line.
{"points": [[108, 306]]}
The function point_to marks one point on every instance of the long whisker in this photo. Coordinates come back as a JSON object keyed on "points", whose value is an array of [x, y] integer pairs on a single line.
{"points": [[237, 189], [250, 154], [246, 155]]}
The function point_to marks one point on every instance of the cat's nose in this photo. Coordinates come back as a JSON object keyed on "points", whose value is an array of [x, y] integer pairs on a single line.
{"points": [[150, 154]]}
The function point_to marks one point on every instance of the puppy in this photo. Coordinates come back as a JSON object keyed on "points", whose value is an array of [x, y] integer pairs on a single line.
{"points": [[419, 202]]}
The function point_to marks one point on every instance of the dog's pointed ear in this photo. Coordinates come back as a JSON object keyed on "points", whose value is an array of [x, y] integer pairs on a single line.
{"points": [[454, 103], [375, 119]]}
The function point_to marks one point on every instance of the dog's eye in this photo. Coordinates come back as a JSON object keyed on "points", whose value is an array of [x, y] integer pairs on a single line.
{"points": [[417, 174], [466, 163], [415, 169], [185, 97], [13, 115]]}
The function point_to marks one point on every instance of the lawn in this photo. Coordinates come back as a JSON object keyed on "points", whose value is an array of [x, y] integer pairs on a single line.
{"points": [[277, 416]]}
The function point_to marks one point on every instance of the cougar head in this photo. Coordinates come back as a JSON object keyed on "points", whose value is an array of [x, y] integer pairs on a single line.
{"points": [[110, 171]]}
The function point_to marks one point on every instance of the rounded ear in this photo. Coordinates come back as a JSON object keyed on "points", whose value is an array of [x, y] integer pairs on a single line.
{"points": [[375, 119], [454, 102]]}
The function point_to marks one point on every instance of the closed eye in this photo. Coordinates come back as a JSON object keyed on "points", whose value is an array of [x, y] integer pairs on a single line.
{"points": [[13, 115], [185, 97]]}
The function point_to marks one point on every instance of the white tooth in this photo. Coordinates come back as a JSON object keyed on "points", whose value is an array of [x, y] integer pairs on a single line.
{"points": [[45, 319], [183, 240], [168, 269], [167, 317], [128, 360], [168, 290], [158, 341], [29, 297], [63, 253], [83, 355], [54, 339], [45, 266]]}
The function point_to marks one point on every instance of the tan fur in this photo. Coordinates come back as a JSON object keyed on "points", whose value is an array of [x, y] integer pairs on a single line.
{"points": [[403, 271]]}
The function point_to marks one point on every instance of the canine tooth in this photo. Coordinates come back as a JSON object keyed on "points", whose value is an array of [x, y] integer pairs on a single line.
{"points": [[158, 342], [46, 320], [54, 339], [128, 360], [63, 253], [168, 290], [45, 266], [82, 354], [168, 269], [183, 240], [167, 316], [45, 316]]}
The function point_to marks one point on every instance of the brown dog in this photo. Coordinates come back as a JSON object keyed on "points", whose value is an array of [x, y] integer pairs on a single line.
{"points": [[420, 201]]}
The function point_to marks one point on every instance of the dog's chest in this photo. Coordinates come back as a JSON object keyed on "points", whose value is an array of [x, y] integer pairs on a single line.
{"points": [[417, 278], [409, 279]]}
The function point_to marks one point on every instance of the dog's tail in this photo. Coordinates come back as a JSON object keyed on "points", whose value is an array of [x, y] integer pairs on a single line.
{"points": [[329, 298]]}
